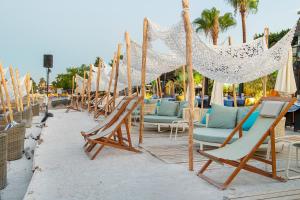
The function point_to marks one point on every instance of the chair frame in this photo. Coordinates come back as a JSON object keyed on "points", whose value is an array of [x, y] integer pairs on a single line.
{"points": [[242, 164], [115, 138]]}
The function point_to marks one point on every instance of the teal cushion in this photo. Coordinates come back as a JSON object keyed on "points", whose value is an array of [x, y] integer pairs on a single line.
{"points": [[250, 121], [242, 112], [203, 121], [168, 108], [222, 117], [160, 119]]}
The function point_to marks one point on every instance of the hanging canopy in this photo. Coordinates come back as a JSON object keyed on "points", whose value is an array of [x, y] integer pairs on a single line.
{"points": [[232, 64], [285, 82]]}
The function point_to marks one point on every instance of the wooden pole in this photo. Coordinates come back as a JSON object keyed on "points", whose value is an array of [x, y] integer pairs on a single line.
{"points": [[72, 92], [27, 89], [110, 82], [188, 31], [3, 103], [117, 75], [77, 93], [265, 78], [83, 90], [97, 87], [19, 90], [32, 94], [11, 117], [143, 77], [89, 86], [11, 72], [184, 84], [128, 56], [233, 85]]}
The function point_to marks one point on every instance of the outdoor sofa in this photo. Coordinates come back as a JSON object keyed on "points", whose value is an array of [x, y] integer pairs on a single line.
{"points": [[219, 121]]}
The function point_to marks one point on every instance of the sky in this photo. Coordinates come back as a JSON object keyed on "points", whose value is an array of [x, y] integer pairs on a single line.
{"points": [[77, 31]]}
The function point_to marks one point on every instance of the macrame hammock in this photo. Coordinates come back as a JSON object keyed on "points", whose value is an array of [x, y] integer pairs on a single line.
{"points": [[227, 64]]}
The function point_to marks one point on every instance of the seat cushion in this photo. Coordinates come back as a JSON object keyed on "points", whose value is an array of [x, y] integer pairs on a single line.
{"points": [[222, 117], [213, 135], [271, 109], [160, 119], [168, 108]]}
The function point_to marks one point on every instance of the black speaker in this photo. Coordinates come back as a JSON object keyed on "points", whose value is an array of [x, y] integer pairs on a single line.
{"points": [[48, 61]]}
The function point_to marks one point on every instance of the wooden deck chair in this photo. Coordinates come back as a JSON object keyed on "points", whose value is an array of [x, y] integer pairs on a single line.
{"points": [[102, 107], [73, 105], [108, 119], [112, 135], [99, 102], [239, 152]]}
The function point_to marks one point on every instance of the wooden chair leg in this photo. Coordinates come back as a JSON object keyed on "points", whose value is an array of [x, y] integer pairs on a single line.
{"points": [[273, 153], [128, 133], [97, 152]]}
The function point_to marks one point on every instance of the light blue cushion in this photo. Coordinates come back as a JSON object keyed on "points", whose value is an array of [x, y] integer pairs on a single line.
{"points": [[213, 135], [222, 117], [168, 108], [250, 121], [160, 119], [203, 121]]}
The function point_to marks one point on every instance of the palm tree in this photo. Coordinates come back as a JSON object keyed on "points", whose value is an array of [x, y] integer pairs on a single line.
{"points": [[211, 23], [244, 7]]}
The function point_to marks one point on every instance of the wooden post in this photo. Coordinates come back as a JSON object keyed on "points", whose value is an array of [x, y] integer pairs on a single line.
{"points": [[117, 75], [143, 77], [128, 56], [110, 82], [233, 85], [97, 87], [11, 117], [72, 92], [27, 80], [11, 72], [19, 90], [83, 90], [189, 58], [89, 87], [184, 84], [265, 78], [77, 92], [3, 103]]}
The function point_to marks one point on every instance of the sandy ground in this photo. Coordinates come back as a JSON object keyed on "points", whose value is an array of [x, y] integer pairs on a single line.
{"points": [[63, 171], [20, 171]]}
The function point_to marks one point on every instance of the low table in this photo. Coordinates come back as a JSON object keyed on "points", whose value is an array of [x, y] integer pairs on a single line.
{"points": [[293, 141]]}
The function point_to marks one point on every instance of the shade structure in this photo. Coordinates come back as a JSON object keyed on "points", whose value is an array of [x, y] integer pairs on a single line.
{"points": [[217, 93], [285, 82]]}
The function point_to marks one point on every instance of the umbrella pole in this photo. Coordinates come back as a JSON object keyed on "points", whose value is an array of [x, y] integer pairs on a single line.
{"points": [[3, 103], [128, 56], [97, 87], [188, 31], [19, 89], [72, 91], [183, 85]]}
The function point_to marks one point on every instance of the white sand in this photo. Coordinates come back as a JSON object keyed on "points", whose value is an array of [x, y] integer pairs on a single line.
{"points": [[65, 172], [20, 171]]}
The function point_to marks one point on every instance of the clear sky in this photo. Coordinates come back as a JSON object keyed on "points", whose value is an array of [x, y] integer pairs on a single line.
{"points": [[77, 31]]}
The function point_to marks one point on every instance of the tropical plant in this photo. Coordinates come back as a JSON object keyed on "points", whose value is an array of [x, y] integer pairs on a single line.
{"points": [[211, 23], [244, 7]]}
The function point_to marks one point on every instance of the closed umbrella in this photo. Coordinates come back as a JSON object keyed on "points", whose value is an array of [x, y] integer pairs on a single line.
{"points": [[285, 82], [217, 93]]}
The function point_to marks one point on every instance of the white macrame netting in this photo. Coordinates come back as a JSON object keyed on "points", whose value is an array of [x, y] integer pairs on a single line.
{"points": [[232, 64]]}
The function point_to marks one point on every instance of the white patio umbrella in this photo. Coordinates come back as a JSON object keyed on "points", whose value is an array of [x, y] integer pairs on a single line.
{"points": [[285, 82], [217, 93]]}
